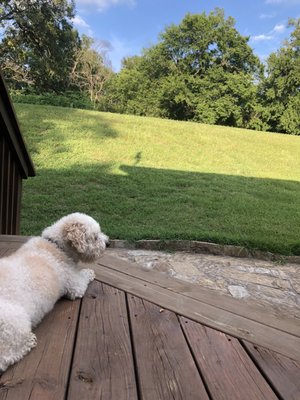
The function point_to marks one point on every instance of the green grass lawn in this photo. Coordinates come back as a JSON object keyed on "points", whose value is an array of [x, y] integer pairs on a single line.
{"points": [[148, 178]]}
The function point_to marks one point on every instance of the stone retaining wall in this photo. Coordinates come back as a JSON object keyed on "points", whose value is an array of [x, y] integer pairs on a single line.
{"points": [[194, 246]]}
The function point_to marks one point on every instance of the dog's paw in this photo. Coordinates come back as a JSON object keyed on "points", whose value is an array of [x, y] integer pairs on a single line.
{"points": [[89, 273], [32, 340]]}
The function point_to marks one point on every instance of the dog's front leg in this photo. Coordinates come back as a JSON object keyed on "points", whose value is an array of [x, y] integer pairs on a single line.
{"points": [[78, 283]]}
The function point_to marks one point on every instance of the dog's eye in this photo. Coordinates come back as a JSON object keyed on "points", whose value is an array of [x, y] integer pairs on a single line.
{"points": [[96, 237]]}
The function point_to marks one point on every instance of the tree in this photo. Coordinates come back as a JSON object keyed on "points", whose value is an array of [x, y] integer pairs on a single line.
{"points": [[131, 91], [281, 88], [91, 69], [38, 42], [202, 41], [202, 70], [11, 10]]}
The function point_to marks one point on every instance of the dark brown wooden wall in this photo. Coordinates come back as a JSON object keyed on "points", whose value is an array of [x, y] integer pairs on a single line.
{"points": [[10, 190]]}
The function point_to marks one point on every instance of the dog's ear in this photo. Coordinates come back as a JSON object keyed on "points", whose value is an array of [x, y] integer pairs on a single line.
{"points": [[74, 233]]}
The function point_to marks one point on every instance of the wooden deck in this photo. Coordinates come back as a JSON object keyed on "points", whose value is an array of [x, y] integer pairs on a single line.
{"points": [[140, 335]]}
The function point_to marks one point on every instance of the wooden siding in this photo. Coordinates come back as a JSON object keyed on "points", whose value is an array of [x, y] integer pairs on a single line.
{"points": [[15, 165], [10, 191]]}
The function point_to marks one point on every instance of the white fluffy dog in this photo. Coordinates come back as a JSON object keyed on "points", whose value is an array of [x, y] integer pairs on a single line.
{"points": [[38, 274]]}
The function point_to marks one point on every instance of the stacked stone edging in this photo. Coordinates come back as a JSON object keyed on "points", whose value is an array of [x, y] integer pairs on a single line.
{"points": [[195, 246]]}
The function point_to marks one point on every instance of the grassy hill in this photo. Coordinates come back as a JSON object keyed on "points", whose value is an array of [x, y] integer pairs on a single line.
{"points": [[151, 178]]}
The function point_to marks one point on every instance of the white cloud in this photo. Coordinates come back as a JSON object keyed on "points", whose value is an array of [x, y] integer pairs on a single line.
{"points": [[260, 38], [273, 34], [267, 16], [80, 22], [279, 28], [82, 25], [102, 5]]}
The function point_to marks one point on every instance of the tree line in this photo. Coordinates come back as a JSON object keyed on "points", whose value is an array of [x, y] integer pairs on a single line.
{"points": [[201, 70]]}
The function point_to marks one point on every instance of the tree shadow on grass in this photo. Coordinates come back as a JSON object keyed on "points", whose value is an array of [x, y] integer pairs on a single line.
{"points": [[147, 203], [51, 126]]}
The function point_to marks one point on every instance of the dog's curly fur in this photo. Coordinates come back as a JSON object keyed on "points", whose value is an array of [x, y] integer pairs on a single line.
{"points": [[38, 274]]}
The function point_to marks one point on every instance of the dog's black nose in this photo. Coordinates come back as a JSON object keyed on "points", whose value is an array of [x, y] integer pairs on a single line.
{"points": [[108, 243]]}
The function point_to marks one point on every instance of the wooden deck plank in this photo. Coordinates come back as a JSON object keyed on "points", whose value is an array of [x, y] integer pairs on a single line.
{"points": [[12, 241], [282, 372], [253, 311], [166, 369], [103, 364], [227, 369], [265, 315], [43, 373], [7, 252], [3, 252], [211, 316]]}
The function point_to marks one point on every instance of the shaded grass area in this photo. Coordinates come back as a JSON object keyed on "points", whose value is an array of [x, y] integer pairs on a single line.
{"points": [[145, 178]]}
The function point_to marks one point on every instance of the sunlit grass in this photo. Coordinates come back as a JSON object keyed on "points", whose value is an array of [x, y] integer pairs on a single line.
{"points": [[153, 178]]}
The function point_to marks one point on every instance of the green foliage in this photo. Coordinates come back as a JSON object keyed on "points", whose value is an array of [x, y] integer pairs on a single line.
{"points": [[175, 98], [38, 43], [68, 99], [201, 42], [202, 70], [225, 98], [90, 70], [281, 87], [130, 92], [290, 118]]}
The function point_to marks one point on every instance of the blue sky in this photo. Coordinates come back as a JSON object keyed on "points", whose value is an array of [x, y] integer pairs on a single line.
{"points": [[125, 27]]}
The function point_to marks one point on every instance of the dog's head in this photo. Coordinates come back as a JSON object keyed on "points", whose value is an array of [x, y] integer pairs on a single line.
{"points": [[78, 235]]}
